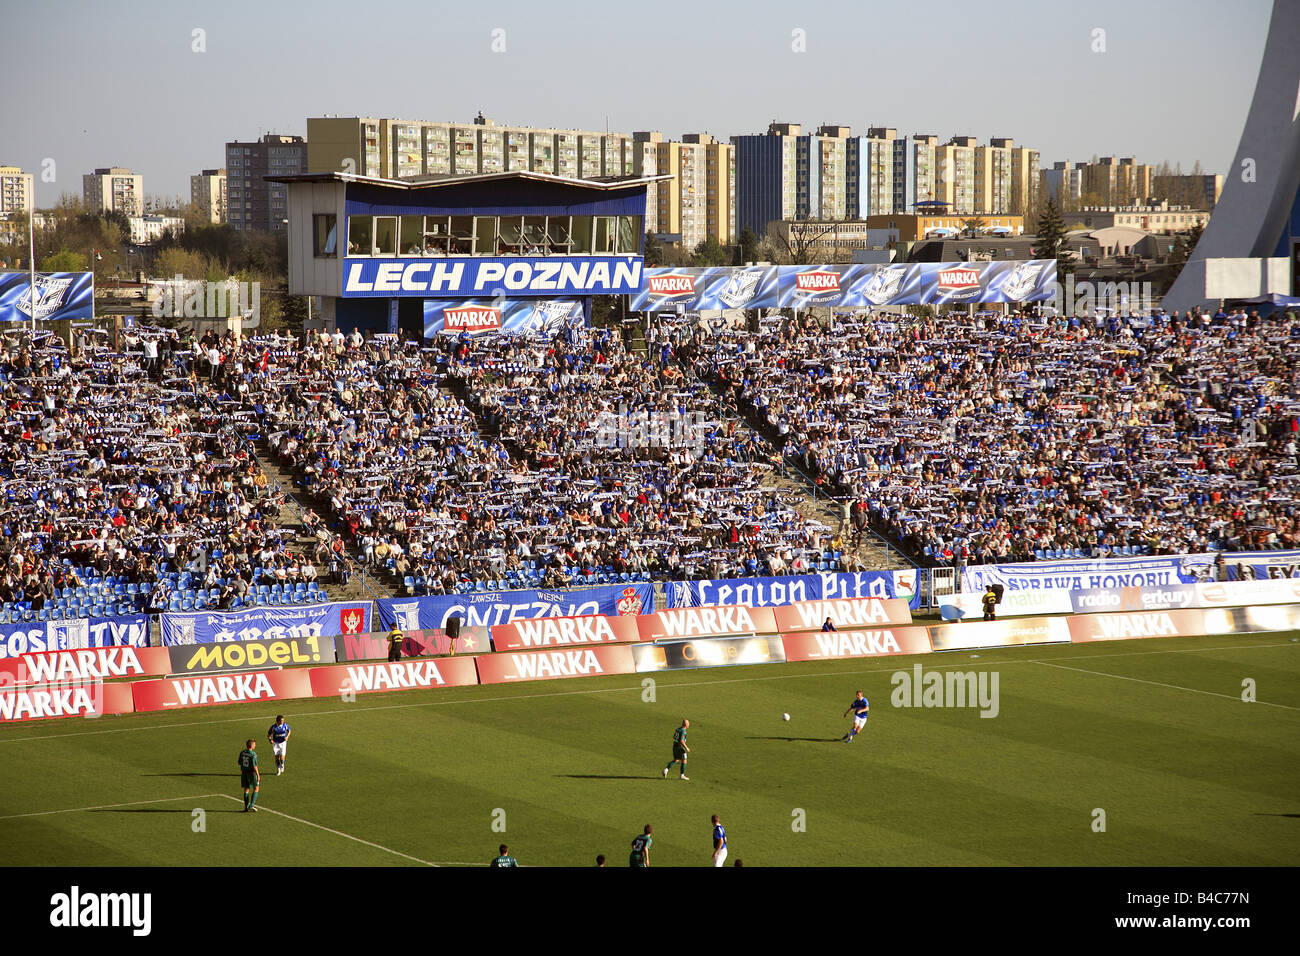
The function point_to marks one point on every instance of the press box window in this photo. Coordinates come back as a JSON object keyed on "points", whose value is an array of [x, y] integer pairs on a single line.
{"points": [[360, 235], [325, 233]]}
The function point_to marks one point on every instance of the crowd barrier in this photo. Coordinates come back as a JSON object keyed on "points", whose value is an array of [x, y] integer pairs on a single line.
{"points": [[91, 682]]}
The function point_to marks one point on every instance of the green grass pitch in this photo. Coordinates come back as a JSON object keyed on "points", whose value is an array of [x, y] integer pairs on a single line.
{"points": [[1153, 732]]}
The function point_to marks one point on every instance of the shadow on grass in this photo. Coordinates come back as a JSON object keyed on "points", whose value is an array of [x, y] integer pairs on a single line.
{"points": [[602, 776], [208, 774], [1293, 816], [157, 810], [811, 740]]}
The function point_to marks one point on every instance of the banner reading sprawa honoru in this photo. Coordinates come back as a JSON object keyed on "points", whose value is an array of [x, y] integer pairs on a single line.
{"points": [[1086, 574], [775, 592], [267, 623], [501, 607]]}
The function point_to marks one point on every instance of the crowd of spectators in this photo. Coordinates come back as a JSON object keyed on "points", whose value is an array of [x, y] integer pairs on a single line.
{"points": [[1013, 438], [564, 458], [127, 488], [515, 461]]}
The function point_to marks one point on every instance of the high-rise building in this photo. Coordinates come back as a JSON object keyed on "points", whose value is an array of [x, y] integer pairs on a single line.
{"points": [[1062, 183], [208, 193], [253, 204], [876, 179], [16, 190], [405, 149], [925, 172], [113, 189], [1115, 182], [699, 202], [645, 162]]}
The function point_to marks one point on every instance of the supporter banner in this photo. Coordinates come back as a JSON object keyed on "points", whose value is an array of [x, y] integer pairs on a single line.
{"points": [[709, 652], [844, 286], [827, 645], [788, 589], [77, 633], [722, 621], [1013, 604], [82, 699], [502, 607], [374, 647], [906, 586], [398, 675], [477, 316], [743, 287], [850, 612], [220, 689], [975, 634], [237, 655], [951, 282], [547, 631], [1086, 574], [481, 277], [550, 665], [1241, 593], [100, 663], [268, 623], [1253, 565], [1123, 627], [1244, 620], [59, 295]]}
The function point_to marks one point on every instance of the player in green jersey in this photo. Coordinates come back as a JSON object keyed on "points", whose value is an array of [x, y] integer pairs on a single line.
{"points": [[250, 778], [640, 855], [505, 859], [680, 750]]}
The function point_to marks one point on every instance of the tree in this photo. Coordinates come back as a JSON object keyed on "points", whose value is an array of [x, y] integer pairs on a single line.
{"points": [[174, 261], [797, 242], [64, 261], [710, 252], [654, 250], [973, 226], [1051, 240], [1051, 232], [748, 246]]}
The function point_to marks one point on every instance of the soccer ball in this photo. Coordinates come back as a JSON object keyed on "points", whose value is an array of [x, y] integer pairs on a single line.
{"points": [[785, 716]]}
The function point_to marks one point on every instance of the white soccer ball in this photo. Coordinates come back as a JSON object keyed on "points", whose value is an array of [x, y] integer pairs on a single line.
{"points": [[785, 716]]}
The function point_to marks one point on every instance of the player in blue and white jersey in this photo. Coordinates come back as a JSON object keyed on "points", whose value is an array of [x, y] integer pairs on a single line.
{"points": [[279, 737], [860, 708]]}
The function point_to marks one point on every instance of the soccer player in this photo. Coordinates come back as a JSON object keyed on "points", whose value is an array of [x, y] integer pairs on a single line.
{"points": [[719, 842], [680, 750], [860, 708], [505, 859], [249, 776], [279, 737], [640, 855]]}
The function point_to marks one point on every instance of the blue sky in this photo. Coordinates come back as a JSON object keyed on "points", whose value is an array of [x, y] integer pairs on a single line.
{"points": [[115, 82]]}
